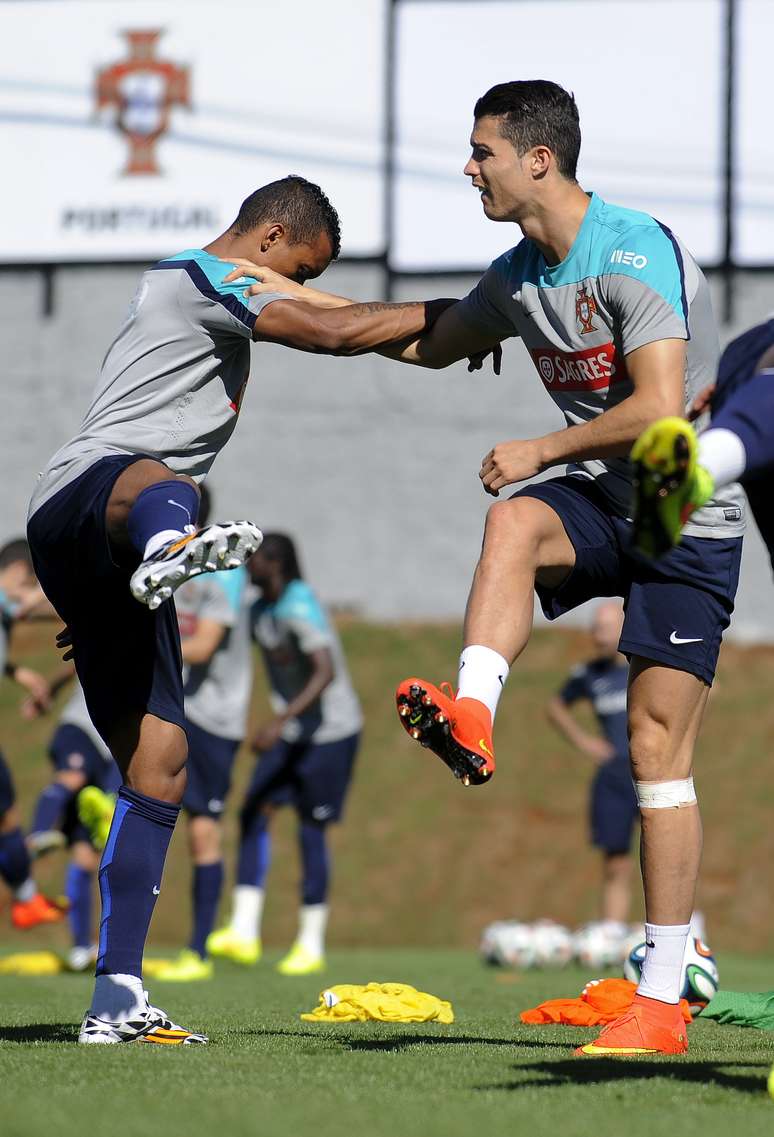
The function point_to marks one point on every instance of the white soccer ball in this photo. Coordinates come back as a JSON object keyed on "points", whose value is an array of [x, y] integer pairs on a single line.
{"points": [[598, 946], [552, 943], [508, 943], [700, 972]]}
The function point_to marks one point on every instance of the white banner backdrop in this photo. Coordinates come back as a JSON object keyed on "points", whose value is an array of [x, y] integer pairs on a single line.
{"points": [[755, 150], [647, 76], [132, 130]]}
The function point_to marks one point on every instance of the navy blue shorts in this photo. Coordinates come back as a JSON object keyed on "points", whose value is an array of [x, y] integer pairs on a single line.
{"points": [[71, 749], [127, 657], [676, 609], [7, 792], [614, 809], [210, 762], [313, 777]]}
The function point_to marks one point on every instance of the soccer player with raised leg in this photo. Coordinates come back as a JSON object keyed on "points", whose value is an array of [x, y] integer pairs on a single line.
{"points": [[616, 317], [113, 521], [306, 755]]}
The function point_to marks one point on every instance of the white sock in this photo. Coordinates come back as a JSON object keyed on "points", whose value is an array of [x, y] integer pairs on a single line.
{"points": [[722, 453], [662, 969], [698, 926], [26, 891], [312, 922], [118, 997], [482, 675], [158, 540], [247, 911]]}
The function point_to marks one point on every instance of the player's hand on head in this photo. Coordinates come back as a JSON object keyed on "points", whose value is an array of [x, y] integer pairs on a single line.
{"points": [[510, 462], [267, 735], [265, 278], [478, 359]]}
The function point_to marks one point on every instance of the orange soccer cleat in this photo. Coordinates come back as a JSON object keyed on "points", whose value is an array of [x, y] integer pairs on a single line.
{"points": [[648, 1027], [27, 914], [458, 731]]}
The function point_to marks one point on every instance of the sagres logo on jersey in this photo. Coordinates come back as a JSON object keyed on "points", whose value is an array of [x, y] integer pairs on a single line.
{"points": [[143, 89], [585, 307], [592, 369]]}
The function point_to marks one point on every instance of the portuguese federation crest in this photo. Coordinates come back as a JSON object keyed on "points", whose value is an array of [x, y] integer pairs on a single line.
{"points": [[585, 307], [143, 89]]}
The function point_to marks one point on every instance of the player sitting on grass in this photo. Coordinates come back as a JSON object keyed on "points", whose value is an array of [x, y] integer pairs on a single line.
{"points": [[676, 472], [113, 520], [81, 763], [602, 682], [215, 639], [603, 299], [18, 591], [306, 756]]}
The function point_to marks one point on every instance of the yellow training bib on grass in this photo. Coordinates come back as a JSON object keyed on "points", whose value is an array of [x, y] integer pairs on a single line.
{"points": [[382, 1002]]}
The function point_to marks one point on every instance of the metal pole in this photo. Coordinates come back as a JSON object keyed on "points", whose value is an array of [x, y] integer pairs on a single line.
{"points": [[389, 142], [729, 162]]}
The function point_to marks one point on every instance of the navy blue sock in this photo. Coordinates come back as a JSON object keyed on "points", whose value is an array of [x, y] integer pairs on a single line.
{"points": [[50, 807], [130, 878], [749, 413], [207, 887], [314, 859], [78, 892], [165, 506], [14, 858], [254, 850]]}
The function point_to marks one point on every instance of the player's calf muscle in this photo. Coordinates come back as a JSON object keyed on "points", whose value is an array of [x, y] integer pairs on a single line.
{"points": [[129, 484]]}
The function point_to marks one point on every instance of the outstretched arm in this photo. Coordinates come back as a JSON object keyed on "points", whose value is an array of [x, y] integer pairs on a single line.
{"points": [[443, 339]]}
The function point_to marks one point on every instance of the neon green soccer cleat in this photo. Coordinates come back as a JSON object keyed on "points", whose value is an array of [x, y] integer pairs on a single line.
{"points": [[300, 961], [95, 812], [226, 944], [669, 484], [189, 967]]}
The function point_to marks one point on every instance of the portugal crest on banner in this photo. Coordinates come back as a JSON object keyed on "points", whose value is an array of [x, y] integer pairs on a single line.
{"points": [[143, 90], [585, 307]]}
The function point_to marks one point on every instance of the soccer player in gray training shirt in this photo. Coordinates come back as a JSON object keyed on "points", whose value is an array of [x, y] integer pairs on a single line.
{"points": [[616, 318], [117, 506]]}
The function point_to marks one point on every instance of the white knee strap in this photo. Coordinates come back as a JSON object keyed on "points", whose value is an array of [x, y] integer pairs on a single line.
{"points": [[665, 795]]}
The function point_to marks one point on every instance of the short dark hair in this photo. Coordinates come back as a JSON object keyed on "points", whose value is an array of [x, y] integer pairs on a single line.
{"points": [[301, 206], [280, 547], [15, 551], [536, 112]]}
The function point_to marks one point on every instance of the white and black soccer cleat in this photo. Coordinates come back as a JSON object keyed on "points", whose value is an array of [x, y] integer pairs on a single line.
{"points": [[149, 1025], [215, 547]]}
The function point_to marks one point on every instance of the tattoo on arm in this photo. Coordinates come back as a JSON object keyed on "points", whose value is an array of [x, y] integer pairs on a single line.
{"points": [[379, 306]]}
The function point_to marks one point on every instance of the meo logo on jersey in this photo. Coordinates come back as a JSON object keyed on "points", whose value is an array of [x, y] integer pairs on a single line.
{"points": [[636, 260], [593, 369]]}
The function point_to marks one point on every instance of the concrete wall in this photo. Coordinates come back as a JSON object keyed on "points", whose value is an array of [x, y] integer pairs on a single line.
{"points": [[371, 465]]}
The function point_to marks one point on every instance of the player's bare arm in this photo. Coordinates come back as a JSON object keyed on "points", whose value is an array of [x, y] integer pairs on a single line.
{"points": [[657, 373], [456, 340], [321, 677], [200, 647]]}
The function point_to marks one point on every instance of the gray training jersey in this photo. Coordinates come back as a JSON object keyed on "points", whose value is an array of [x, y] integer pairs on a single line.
{"points": [[217, 693], [287, 630], [626, 282], [173, 379]]}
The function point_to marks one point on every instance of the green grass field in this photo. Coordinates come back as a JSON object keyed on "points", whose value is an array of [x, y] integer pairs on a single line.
{"points": [[421, 865], [268, 1073]]}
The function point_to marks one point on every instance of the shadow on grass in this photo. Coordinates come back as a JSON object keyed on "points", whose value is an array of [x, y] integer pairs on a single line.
{"points": [[39, 1032], [597, 1071], [398, 1042]]}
